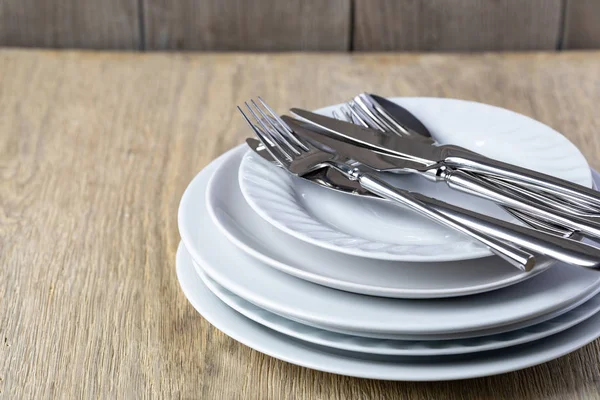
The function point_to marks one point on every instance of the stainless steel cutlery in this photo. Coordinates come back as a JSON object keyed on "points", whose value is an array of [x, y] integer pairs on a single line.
{"points": [[579, 197], [430, 161], [285, 141], [406, 124], [375, 112], [334, 180], [300, 157]]}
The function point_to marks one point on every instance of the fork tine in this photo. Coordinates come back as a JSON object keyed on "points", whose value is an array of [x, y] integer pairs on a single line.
{"points": [[280, 157], [281, 135], [255, 127], [284, 128], [264, 139], [343, 115], [369, 120], [365, 104], [274, 114], [275, 136], [347, 115], [272, 146], [354, 116], [381, 117]]}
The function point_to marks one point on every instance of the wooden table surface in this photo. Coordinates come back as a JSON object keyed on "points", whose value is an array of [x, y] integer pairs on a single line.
{"points": [[96, 150]]}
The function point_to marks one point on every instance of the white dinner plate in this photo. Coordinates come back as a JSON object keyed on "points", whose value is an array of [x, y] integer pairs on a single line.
{"points": [[457, 335], [555, 289], [361, 344], [373, 228], [320, 358], [256, 237]]}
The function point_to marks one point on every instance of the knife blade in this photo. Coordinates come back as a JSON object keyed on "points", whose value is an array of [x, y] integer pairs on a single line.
{"points": [[371, 158], [409, 149]]}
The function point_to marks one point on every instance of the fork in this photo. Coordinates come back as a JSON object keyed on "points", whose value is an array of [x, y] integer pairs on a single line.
{"points": [[300, 157]]}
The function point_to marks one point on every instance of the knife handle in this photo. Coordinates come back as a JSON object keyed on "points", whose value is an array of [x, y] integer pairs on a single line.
{"points": [[460, 180], [528, 219], [514, 255], [550, 201], [467, 160]]}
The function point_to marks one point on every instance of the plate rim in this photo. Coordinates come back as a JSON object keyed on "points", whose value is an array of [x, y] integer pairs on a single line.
{"points": [[450, 335], [492, 342], [264, 340]]}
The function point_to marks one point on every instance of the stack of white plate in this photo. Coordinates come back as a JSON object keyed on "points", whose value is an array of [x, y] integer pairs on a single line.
{"points": [[359, 287]]}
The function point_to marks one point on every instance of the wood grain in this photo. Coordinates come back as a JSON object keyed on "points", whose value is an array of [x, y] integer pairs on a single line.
{"points": [[582, 24], [456, 25], [93, 166], [266, 25], [106, 24]]}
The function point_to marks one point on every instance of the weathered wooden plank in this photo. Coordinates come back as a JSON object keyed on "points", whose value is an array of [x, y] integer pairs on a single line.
{"points": [[582, 24], [91, 24], [92, 168], [266, 25], [456, 25]]}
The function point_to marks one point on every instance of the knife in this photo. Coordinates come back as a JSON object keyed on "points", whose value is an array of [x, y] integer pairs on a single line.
{"points": [[455, 157], [429, 161]]}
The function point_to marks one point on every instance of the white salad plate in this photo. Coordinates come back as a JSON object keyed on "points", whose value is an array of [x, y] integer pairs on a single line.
{"points": [[558, 288], [380, 229], [286, 348], [259, 239], [401, 347]]}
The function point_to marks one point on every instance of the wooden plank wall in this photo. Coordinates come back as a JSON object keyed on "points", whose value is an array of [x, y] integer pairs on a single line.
{"points": [[456, 25], [582, 24], [275, 25], [93, 24]]}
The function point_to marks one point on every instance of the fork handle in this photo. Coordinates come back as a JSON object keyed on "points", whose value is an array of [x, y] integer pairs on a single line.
{"points": [[568, 250], [514, 255], [467, 160], [560, 248], [456, 179]]}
